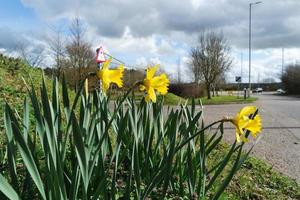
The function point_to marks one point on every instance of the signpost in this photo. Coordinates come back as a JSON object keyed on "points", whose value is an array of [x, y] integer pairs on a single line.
{"points": [[100, 58], [238, 79]]}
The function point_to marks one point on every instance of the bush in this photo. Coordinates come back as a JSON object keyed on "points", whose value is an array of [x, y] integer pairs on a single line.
{"points": [[291, 79], [13, 65], [188, 90]]}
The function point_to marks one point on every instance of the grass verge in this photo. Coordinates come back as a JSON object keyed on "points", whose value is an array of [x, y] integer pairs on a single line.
{"points": [[258, 180], [227, 100], [172, 99]]}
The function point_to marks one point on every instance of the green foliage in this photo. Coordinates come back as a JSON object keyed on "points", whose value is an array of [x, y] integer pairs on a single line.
{"points": [[127, 150], [12, 87], [290, 79]]}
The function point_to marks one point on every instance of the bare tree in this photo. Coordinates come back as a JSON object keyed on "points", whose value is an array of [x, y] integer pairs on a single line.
{"points": [[210, 58], [32, 56], [79, 51], [57, 48]]}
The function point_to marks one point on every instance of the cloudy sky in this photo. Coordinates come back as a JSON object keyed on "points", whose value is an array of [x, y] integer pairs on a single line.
{"points": [[143, 31]]}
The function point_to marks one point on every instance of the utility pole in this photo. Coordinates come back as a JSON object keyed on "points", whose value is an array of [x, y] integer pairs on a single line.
{"points": [[178, 71], [241, 74], [250, 9], [241, 66], [282, 64]]}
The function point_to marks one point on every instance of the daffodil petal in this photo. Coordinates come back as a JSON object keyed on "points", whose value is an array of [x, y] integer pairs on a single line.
{"points": [[247, 110], [254, 126], [115, 76], [151, 94], [151, 71], [160, 84]]}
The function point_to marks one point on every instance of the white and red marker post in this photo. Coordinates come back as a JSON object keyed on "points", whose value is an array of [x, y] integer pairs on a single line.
{"points": [[100, 58]]}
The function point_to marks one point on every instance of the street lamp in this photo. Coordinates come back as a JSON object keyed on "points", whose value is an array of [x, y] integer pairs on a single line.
{"points": [[250, 8]]}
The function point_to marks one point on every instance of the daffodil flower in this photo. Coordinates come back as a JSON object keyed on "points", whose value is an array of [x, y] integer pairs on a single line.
{"points": [[151, 84], [244, 121], [108, 76]]}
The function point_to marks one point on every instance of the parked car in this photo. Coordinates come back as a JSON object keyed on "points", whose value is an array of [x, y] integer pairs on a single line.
{"points": [[257, 90], [280, 91]]}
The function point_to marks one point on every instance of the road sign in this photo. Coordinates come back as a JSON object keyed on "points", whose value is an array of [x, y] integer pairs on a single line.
{"points": [[238, 79], [100, 55]]}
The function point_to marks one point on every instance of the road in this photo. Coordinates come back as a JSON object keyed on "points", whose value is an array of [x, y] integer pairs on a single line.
{"points": [[279, 143]]}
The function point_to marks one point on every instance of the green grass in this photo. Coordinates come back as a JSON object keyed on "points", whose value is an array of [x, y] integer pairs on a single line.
{"points": [[12, 86], [172, 99], [226, 100], [258, 180]]}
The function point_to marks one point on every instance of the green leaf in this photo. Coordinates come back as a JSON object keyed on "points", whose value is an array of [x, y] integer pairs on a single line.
{"points": [[28, 160], [7, 190], [11, 153], [80, 150]]}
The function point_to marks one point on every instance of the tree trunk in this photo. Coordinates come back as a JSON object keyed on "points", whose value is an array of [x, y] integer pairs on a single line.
{"points": [[208, 91]]}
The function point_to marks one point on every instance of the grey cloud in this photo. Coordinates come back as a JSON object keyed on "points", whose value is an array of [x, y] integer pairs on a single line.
{"points": [[275, 23]]}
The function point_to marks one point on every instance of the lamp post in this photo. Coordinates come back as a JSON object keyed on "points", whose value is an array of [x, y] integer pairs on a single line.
{"points": [[250, 8]]}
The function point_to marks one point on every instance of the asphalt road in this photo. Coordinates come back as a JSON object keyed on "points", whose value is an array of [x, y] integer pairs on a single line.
{"points": [[279, 143]]}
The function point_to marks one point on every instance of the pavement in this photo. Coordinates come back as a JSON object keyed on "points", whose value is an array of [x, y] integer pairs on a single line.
{"points": [[279, 142]]}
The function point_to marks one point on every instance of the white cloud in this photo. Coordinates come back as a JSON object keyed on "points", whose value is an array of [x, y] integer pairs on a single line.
{"points": [[139, 32], [273, 21]]}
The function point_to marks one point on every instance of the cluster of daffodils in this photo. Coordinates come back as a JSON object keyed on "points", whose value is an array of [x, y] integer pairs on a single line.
{"points": [[150, 85], [246, 120]]}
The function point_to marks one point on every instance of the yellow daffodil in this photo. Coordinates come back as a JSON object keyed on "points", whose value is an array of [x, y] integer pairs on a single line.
{"points": [[244, 121], [151, 84], [108, 76]]}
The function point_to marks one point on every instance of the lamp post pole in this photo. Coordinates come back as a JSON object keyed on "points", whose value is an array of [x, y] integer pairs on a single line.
{"points": [[250, 9]]}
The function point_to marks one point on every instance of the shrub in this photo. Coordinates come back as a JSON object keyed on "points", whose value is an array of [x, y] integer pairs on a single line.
{"points": [[291, 79], [188, 90]]}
